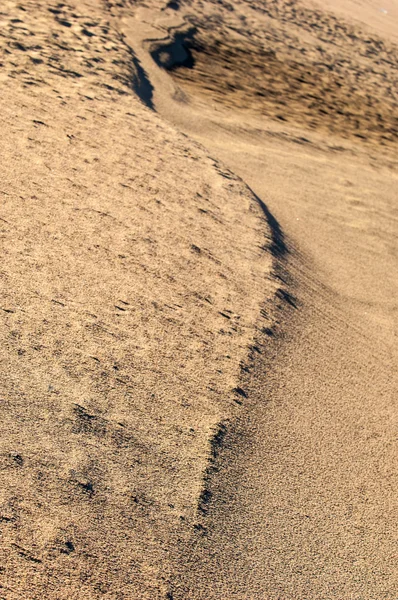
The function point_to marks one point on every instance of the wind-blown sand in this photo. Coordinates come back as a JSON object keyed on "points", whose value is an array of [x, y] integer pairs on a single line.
{"points": [[128, 252], [199, 227]]}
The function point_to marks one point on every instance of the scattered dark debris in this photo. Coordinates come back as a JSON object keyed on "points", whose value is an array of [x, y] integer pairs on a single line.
{"points": [[88, 33], [224, 315], [57, 302], [87, 487], [17, 458], [69, 548]]}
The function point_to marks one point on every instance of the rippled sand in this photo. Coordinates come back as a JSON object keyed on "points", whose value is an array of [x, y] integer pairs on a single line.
{"points": [[198, 221]]}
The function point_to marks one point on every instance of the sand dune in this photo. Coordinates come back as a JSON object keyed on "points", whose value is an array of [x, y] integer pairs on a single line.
{"points": [[301, 501], [199, 300], [128, 251]]}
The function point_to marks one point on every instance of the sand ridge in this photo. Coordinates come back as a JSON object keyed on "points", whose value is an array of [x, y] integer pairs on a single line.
{"points": [[301, 501], [198, 377], [128, 251]]}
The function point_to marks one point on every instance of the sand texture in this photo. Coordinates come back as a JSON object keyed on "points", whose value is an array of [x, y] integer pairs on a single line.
{"points": [[199, 300]]}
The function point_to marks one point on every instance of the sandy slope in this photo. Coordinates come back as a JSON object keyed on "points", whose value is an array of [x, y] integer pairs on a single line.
{"points": [[128, 253], [302, 499], [196, 402]]}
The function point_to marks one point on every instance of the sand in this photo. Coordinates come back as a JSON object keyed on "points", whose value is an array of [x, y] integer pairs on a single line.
{"points": [[127, 252], [199, 227]]}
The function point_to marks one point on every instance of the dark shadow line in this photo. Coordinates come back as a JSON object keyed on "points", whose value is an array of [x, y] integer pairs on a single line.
{"points": [[278, 246], [140, 82]]}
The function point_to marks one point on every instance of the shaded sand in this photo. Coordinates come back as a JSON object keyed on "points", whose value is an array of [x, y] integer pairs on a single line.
{"points": [[198, 377]]}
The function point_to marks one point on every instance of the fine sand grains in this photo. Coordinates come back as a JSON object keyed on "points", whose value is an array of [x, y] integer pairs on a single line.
{"points": [[301, 103], [134, 268], [197, 394]]}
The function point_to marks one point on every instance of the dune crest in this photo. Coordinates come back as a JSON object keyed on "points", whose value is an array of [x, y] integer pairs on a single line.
{"points": [[128, 255], [198, 221]]}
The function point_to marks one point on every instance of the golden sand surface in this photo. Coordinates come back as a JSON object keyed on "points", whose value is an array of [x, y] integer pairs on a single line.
{"points": [[199, 300]]}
